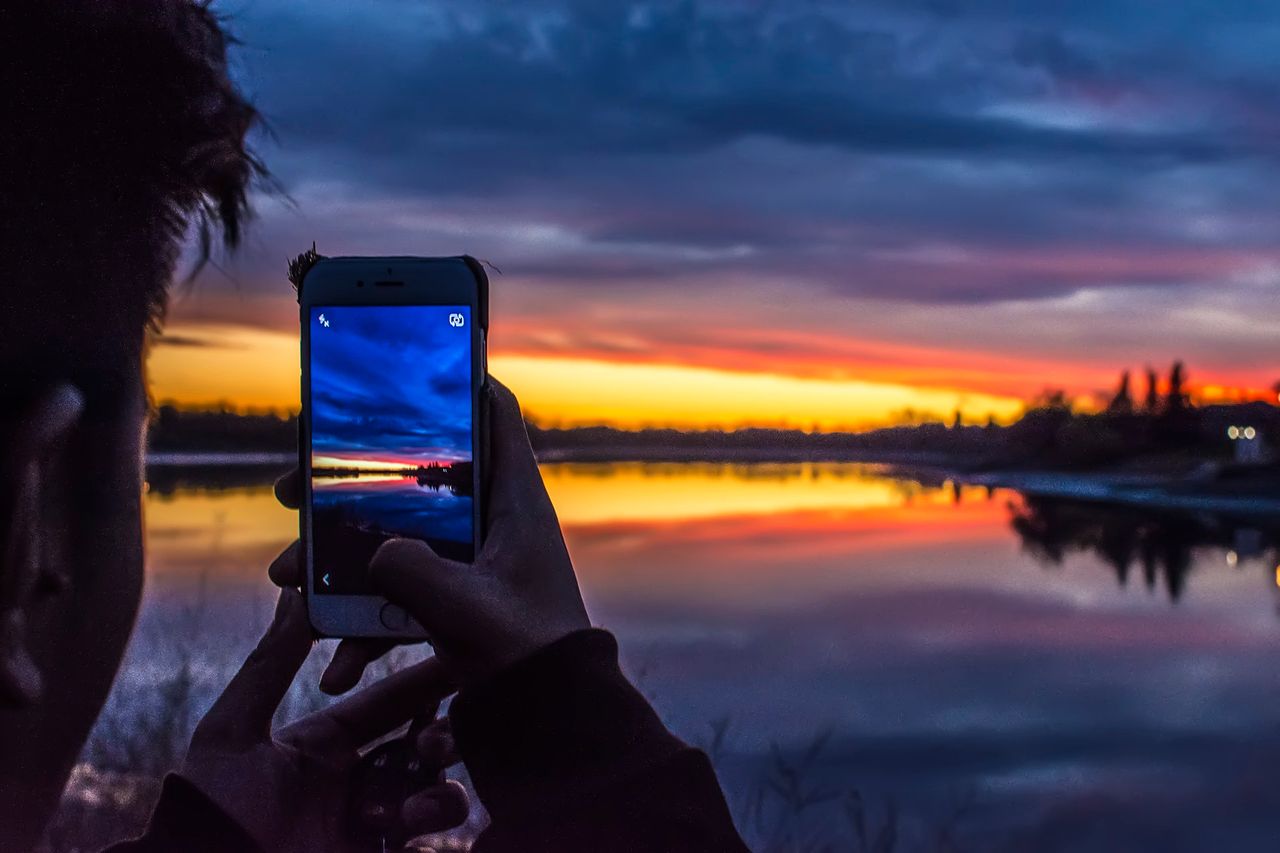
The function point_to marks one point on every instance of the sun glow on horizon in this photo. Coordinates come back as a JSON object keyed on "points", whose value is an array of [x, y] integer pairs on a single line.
{"points": [[576, 392], [243, 367], [208, 365], [356, 463], [204, 365]]}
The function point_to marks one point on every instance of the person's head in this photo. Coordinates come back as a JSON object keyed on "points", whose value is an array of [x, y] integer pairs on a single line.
{"points": [[121, 133]]}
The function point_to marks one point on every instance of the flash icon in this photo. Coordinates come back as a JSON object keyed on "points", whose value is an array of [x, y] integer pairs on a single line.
{"points": [[323, 321]]}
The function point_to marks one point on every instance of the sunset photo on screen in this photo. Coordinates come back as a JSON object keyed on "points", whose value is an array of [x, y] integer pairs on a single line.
{"points": [[391, 434]]}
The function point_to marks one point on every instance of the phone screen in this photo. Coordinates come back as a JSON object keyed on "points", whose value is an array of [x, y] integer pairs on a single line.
{"points": [[391, 436]]}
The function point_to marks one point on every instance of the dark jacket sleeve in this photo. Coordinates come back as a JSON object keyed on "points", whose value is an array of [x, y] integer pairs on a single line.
{"points": [[567, 756], [185, 819]]}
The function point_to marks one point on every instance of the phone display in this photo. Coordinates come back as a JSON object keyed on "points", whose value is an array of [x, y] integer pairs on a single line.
{"points": [[391, 435]]}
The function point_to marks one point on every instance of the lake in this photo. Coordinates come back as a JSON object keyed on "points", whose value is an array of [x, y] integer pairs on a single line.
{"points": [[925, 665]]}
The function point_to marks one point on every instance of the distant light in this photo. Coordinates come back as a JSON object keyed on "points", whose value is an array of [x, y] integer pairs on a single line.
{"points": [[1233, 432], [1277, 575], [1250, 433], [1232, 558]]}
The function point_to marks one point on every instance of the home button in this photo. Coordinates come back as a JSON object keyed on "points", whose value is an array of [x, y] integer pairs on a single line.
{"points": [[394, 618]]}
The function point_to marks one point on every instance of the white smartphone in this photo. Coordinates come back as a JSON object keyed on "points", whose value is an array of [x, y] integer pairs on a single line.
{"points": [[392, 426]]}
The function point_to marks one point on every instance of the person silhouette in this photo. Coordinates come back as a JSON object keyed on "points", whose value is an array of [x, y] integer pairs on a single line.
{"points": [[123, 130]]}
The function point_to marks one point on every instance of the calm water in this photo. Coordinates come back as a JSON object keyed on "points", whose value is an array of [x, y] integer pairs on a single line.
{"points": [[353, 515], [399, 504], [998, 673]]}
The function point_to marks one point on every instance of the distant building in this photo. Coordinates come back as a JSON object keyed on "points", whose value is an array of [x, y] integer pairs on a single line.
{"points": [[1248, 426], [1250, 447]]}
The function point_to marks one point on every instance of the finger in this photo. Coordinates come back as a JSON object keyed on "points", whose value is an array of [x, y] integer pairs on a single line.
{"points": [[426, 716], [352, 656], [348, 663], [427, 585], [514, 489], [435, 745], [375, 711], [436, 808], [289, 489], [242, 714], [511, 454], [286, 569]]}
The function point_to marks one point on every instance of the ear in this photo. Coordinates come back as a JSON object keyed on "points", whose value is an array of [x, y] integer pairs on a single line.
{"points": [[40, 433]]}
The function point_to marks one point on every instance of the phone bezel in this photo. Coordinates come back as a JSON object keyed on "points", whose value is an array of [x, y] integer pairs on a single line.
{"points": [[337, 282]]}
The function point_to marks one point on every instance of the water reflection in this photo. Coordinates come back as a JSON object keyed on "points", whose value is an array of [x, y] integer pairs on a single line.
{"points": [[909, 618], [1161, 546]]}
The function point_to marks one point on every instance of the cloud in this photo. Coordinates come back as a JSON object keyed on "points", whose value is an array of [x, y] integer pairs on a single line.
{"points": [[391, 383], [918, 153]]}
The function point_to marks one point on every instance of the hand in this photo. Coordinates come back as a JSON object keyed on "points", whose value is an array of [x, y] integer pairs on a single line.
{"points": [[290, 790], [352, 655], [519, 595]]}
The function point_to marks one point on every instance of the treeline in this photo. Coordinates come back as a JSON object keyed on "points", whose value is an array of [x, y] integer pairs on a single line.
{"points": [[1164, 427], [602, 440], [1160, 423], [175, 430]]}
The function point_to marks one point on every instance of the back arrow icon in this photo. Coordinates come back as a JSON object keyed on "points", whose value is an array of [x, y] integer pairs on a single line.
{"points": [[325, 579]]}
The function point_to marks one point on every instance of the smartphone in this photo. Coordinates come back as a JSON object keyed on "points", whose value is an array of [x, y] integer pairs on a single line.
{"points": [[392, 427]]}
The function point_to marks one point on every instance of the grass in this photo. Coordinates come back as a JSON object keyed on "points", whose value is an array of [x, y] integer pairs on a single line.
{"points": [[787, 808], [793, 807], [789, 805]]}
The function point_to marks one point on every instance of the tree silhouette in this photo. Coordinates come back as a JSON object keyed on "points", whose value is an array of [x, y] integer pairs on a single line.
{"points": [[1176, 400], [1054, 399], [1122, 402], [1152, 404]]}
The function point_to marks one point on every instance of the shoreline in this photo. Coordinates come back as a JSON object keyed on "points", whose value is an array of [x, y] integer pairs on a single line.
{"points": [[745, 456], [1148, 491], [218, 459], [1154, 493]]}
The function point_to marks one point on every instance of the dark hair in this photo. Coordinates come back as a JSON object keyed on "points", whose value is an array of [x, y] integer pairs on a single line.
{"points": [[121, 129]]}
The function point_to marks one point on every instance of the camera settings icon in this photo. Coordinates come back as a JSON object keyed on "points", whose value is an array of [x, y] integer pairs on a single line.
{"points": [[457, 320]]}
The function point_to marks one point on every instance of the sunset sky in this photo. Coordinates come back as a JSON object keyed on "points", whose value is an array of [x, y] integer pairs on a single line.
{"points": [[390, 386], [808, 214]]}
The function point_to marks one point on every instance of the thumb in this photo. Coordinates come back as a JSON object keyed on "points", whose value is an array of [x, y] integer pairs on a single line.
{"points": [[418, 579], [242, 715]]}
